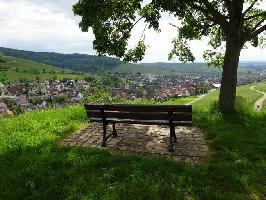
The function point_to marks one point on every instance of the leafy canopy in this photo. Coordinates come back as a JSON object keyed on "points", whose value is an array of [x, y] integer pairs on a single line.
{"points": [[113, 20]]}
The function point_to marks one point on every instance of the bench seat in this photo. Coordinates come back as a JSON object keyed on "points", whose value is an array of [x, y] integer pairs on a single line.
{"points": [[172, 115]]}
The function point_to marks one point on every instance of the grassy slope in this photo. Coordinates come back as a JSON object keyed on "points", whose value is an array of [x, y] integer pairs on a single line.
{"points": [[264, 106], [127, 68], [25, 69], [180, 101], [168, 68], [162, 68], [261, 87], [39, 168], [243, 91]]}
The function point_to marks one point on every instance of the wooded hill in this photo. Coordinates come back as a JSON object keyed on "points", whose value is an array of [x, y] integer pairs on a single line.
{"points": [[77, 62], [89, 63]]}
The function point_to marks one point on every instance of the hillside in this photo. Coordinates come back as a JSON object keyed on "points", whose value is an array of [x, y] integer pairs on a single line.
{"points": [[87, 63], [168, 68], [39, 167], [13, 68], [137, 68], [76, 62]]}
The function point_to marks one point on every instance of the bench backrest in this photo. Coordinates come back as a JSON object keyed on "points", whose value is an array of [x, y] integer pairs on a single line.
{"points": [[144, 114]]}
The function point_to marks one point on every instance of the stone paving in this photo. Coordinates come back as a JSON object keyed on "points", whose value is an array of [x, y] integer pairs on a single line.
{"points": [[145, 140]]}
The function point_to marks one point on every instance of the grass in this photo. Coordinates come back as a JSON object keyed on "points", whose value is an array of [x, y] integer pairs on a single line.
{"points": [[249, 95], [177, 101], [169, 68], [264, 106], [34, 166], [22, 69], [130, 68], [261, 87], [180, 101]]}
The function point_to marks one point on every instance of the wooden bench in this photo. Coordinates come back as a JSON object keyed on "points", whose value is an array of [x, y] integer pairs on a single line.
{"points": [[172, 115]]}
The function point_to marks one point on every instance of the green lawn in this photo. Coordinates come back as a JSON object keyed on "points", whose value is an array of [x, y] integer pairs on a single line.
{"points": [[34, 166]]}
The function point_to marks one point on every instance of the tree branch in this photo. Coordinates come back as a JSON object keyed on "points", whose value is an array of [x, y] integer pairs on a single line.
{"points": [[249, 8], [261, 14], [257, 32], [227, 4], [209, 9], [258, 24], [138, 21]]}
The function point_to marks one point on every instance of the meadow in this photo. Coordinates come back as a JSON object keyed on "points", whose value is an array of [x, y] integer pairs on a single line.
{"points": [[21, 69], [33, 165], [244, 94], [261, 87]]}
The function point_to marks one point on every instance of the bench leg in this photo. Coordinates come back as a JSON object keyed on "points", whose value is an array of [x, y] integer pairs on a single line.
{"points": [[104, 135], [114, 130], [172, 138]]}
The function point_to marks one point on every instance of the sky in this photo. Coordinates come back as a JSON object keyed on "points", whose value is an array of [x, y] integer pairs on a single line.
{"points": [[49, 25]]}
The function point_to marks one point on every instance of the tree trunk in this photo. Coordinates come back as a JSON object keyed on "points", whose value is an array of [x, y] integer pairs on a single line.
{"points": [[234, 44], [229, 75]]}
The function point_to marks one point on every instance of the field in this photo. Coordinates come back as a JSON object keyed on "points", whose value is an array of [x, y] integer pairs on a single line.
{"points": [[179, 101], [249, 96], [21, 69], [261, 87], [169, 68], [130, 68], [34, 166]]}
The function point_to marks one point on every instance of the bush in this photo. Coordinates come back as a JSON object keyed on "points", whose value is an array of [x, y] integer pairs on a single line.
{"points": [[242, 105]]}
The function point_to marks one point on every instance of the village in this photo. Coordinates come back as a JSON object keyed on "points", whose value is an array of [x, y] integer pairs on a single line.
{"points": [[21, 96]]}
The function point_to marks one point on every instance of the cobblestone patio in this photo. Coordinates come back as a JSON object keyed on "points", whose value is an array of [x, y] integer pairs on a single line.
{"points": [[145, 140]]}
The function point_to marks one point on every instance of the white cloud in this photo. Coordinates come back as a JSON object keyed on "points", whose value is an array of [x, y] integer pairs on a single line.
{"points": [[30, 26], [51, 26]]}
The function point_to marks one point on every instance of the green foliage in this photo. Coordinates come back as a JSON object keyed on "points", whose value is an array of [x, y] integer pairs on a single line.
{"points": [[181, 50], [137, 53], [113, 21], [2, 60], [242, 105]]}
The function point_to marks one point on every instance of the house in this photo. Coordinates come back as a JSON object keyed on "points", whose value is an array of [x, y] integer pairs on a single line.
{"points": [[216, 85], [42, 104], [1, 85], [22, 100], [4, 111]]}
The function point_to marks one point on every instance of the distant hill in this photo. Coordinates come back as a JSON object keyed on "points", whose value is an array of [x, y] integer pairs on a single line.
{"points": [[12, 68], [77, 62], [87, 63], [169, 68], [183, 67]]}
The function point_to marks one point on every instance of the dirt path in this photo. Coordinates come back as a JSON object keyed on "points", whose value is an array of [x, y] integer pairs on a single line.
{"points": [[194, 101], [258, 105]]}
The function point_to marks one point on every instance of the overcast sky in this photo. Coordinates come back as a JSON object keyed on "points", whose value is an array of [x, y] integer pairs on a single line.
{"points": [[49, 25]]}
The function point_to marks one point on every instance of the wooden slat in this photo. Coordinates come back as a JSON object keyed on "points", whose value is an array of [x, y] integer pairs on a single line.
{"points": [[182, 117], [129, 115], [139, 108], [140, 115], [145, 122]]}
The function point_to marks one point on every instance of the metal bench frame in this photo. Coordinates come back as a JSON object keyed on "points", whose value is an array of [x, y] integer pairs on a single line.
{"points": [[172, 115]]}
